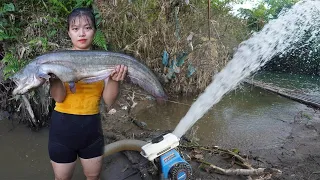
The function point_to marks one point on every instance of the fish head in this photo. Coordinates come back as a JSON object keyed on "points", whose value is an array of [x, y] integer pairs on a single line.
{"points": [[25, 80]]}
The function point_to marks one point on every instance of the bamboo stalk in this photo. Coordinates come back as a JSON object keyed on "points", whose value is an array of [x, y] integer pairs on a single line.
{"points": [[209, 29]]}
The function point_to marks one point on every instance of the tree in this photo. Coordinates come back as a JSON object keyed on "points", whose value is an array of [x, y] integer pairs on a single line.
{"points": [[264, 12]]}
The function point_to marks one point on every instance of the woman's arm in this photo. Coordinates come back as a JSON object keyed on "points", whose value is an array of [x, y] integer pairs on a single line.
{"points": [[110, 92], [111, 88], [57, 90]]}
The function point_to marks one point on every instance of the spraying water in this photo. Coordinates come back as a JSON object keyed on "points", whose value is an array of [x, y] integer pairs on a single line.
{"points": [[277, 37]]}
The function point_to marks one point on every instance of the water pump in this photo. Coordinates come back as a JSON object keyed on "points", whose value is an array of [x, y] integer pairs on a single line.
{"points": [[173, 166]]}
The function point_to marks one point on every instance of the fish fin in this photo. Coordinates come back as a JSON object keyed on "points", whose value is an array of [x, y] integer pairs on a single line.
{"points": [[72, 87], [43, 75], [96, 78]]}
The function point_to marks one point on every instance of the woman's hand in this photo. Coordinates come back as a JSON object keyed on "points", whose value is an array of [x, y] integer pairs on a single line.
{"points": [[119, 73], [57, 89], [111, 89]]}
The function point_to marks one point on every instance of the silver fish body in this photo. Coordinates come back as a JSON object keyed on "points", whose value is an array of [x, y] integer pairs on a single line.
{"points": [[88, 66]]}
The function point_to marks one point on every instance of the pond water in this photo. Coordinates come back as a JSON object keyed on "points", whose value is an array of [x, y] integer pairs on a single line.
{"points": [[306, 83], [245, 119], [24, 153]]}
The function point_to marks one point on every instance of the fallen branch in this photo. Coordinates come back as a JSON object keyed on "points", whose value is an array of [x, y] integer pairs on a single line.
{"points": [[242, 160], [245, 172], [217, 149], [30, 111], [317, 172], [132, 99]]}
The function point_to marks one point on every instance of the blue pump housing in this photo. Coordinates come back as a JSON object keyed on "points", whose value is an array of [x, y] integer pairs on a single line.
{"points": [[173, 166]]}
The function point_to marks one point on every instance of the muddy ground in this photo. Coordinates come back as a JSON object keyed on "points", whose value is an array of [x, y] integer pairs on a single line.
{"points": [[298, 158]]}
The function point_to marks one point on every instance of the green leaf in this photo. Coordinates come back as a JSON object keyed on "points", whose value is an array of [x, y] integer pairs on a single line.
{"points": [[52, 33], [99, 40], [83, 3], [12, 65], [235, 150], [4, 36], [60, 4], [8, 8]]}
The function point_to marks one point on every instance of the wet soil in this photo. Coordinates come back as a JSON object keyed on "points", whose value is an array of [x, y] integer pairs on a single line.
{"points": [[298, 157]]}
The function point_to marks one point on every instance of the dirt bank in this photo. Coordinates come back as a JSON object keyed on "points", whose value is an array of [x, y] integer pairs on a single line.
{"points": [[298, 158]]}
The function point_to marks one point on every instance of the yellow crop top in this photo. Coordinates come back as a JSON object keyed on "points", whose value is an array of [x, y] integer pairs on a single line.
{"points": [[85, 101]]}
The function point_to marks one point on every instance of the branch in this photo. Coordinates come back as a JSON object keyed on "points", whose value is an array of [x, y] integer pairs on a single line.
{"points": [[132, 99], [216, 148], [245, 172]]}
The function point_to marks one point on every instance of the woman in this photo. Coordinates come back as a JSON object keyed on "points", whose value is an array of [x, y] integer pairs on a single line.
{"points": [[75, 127]]}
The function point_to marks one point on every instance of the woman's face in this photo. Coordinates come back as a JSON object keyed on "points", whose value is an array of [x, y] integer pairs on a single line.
{"points": [[81, 32]]}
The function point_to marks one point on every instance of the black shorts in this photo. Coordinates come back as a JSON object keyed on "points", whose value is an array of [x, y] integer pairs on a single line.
{"points": [[71, 136]]}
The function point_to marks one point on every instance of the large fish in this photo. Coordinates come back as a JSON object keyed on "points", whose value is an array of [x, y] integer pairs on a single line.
{"points": [[89, 66]]}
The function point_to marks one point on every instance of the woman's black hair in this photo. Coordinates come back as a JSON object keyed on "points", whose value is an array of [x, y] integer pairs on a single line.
{"points": [[78, 12]]}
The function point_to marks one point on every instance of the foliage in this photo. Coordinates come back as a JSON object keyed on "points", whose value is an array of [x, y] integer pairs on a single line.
{"points": [[147, 29], [276, 6], [31, 28], [7, 22], [12, 64], [264, 12], [34, 34]]}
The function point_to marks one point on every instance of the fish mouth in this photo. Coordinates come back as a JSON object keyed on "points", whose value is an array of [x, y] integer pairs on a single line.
{"points": [[23, 87], [16, 89], [18, 85], [19, 90]]}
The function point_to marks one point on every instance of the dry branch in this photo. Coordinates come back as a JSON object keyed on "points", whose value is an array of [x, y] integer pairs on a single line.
{"points": [[217, 149], [244, 172]]}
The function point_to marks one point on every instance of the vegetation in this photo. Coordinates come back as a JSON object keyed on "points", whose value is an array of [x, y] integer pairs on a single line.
{"points": [[28, 29], [264, 12], [155, 32]]}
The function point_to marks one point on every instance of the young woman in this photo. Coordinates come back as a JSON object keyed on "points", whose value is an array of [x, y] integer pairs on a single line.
{"points": [[75, 123]]}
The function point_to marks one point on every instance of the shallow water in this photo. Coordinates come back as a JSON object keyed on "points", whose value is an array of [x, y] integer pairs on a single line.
{"points": [[247, 118], [24, 154], [305, 83]]}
